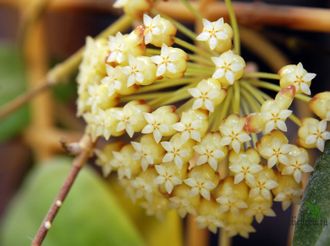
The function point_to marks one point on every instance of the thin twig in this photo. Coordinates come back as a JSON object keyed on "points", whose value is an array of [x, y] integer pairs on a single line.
{"points": [[224, 239], [22, 99], [196, 236], [86, 150], [61, 71], [257, 14]]}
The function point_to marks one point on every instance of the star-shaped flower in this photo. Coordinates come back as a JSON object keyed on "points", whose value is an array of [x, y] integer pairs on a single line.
{"points": [[274, 116], [167, 176], [152, 27], [259, 209], [229, 67], [239, 223], [134, 71], [105, 156], [263, 187], [175, 153], [298, 164], [188, 130], [296, 75], [233, 133], [160, 122], [209, 221], [200, 185], [244, 165], [126, 166], [210, 151], [263, 184], [231, 204], [317, 133], [207, 94], [158, 31], [117, 48], [288, 196], [182, 206], [140, 71], [114, 78], [193, 125], [125, 122], [130, 117], [213, 32], [143, 188], [142, 154], [274, 148], [171, 62]]}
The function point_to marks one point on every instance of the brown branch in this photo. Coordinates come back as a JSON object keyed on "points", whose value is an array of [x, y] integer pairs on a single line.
{"points": [[61, 71], [86, 149], [196, 236], [252, 14], [22, 99], [257, 13], [35, 137]]}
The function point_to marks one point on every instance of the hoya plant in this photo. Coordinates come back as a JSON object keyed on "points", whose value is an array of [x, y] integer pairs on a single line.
{"points": [[188, 124]]}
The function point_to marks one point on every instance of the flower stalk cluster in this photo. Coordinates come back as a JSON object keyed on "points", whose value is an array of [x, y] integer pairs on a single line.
{"points": [[189, 128]]}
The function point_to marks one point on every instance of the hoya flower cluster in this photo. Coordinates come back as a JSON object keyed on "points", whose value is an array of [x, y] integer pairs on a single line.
{"points": [[188, 128]]}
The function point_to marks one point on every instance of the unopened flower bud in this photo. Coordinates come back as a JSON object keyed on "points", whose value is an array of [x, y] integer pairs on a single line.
{"points": [[134, 8], [320, 105], [158, 31]]}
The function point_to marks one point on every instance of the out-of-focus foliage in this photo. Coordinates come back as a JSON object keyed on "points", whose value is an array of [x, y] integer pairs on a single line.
{"points": [[12, 84], [89, 216], [156, 232], [312, 228]]}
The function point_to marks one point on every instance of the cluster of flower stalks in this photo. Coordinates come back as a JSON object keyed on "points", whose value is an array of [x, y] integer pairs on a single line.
{"points": [[188, 126]]}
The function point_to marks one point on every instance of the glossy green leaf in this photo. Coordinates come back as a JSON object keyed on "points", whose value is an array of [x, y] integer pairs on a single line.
{"points": [[311, 228], [12, 84], [89, 216]]}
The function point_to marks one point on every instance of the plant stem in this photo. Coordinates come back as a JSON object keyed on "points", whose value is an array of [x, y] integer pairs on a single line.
{"points": [[191, 47], [61, 71], [269, 86], [191, 8], [146, 96], [224, 239], [295, 120], [221, 111], [166, 83], [261, 97], [262, 75], [245, 112], [236, 101], [173, 97], [253, 91], [233, 21], [19, 101], [86, 145], [201, 60], [182, 28], [254, 105], [256, 14]]}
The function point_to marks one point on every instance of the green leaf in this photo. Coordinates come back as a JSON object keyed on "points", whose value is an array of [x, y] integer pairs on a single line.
{"points": [[12, 84], [89, 216], [311, 227], [64, 92]]}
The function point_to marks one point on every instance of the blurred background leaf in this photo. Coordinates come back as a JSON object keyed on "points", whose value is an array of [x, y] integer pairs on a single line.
{"points": [[314, 213], [156, 232], [90, 215], [12, 84]]}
